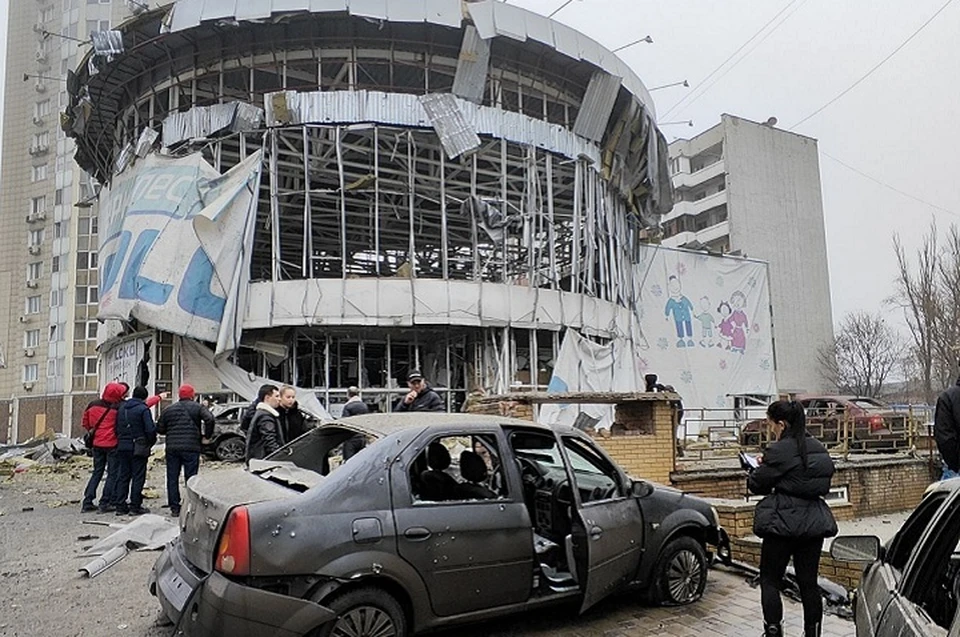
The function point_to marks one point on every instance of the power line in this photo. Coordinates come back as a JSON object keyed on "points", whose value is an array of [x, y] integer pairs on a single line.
{"points": [[888, 186], [876, 66], [701, 93], [732, 55]]}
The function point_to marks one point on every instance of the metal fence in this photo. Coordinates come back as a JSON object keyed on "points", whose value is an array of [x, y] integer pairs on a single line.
{"points": [[718, 434]]}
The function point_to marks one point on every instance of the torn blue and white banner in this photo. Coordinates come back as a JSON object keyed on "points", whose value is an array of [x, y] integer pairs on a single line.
{"points": [[175, 244]]}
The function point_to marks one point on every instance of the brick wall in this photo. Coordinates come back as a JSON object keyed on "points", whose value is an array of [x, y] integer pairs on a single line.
{"points": [[847, 574], [5, 433], [30, 408], [80, 402], [874, 487]]}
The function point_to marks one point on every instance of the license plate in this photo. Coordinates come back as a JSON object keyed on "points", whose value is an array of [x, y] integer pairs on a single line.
{"points": [[174, 589]]}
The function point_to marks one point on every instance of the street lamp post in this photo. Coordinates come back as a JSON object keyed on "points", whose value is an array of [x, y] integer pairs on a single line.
{"points": [[682, 83]]}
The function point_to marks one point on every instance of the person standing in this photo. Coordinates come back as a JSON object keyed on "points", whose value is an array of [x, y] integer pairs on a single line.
{"points": [[251, 409], [421, 396], [793, 519], [946, 431], [354, 407], [265, 435], [136, 434], [292, 422], [187, 425], [100, 417]]}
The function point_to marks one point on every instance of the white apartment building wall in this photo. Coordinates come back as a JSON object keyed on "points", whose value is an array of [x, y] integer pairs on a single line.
{"points": [[40, 185], [754, 190]]}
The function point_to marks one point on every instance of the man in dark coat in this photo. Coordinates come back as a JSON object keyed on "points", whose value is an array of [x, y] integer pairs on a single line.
{"points": [[265, 435], [354, 407], [946, 431], [293, 423], [420, 397], [136, 433], [250, 411], [100, 417], [187, 425]]}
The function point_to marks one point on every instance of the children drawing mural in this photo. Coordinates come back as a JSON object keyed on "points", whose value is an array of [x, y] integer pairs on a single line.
{"points": [[680, 306]]}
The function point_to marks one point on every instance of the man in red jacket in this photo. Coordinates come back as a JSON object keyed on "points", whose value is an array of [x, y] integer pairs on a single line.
{"points": [[100, 417]]}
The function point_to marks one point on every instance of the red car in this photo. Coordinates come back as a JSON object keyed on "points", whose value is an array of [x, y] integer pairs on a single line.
{"points": [[872, 425]]}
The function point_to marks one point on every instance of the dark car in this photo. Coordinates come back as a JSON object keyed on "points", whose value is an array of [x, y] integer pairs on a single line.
{"points": [[441, 519], [911, 585], [869, 423], [229, 441]]}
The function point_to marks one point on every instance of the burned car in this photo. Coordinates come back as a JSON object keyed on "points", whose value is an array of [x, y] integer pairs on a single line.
{"points": [[441, 519], [910, 587], [229, 442]]}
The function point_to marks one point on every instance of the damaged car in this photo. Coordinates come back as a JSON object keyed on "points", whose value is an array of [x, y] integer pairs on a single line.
{"points": [[441, 519]]}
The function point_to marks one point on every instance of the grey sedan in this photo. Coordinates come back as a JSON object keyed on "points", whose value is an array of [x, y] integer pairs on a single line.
{"points": [[441, 519]]}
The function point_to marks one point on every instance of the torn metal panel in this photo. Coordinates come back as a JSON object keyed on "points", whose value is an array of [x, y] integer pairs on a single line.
{"points": [[456, 135], [217, 9], [204, 121], [566, 40], [107, 43], [328, 6], [124, 158], [490, 217], [540, 29], [409, 11], [472, 66], [254, 10], [376, 9], [146, 141], [597, 106], [148, 532], [446, 12], [482, 15], [510, 21], [99, 564], [185, 14]]}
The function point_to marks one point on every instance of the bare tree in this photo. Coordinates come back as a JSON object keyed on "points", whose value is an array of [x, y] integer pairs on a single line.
{"points": [[864, 353], [917, 295], [930, 298]]}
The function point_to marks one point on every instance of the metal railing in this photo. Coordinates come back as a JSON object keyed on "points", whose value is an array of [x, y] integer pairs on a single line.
{"points": [[718, 434]]}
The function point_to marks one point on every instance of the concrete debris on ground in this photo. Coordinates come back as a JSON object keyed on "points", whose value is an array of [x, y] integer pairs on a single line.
{"points": [[42, 451], [146, 533], [101, 563]]}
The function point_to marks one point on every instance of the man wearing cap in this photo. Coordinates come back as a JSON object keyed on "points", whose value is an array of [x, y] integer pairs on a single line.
{"points": [[420, 397], [187, 425]]}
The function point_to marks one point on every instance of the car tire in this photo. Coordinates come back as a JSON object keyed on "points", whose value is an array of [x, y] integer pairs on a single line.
{"points": [[680, 574], [365, 612], [230, 449]]}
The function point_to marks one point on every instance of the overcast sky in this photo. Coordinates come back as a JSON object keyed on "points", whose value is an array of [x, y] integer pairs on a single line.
{"points": [[899, 126]]}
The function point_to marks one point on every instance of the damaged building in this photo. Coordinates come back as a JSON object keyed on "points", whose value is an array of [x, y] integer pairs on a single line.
{"points": [[334, 193]]}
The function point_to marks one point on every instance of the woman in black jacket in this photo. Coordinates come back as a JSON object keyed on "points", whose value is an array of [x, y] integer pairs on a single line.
{"points": [[793, 519]]}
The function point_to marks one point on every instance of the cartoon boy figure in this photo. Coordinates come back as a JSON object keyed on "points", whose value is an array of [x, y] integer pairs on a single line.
{"points": [[706, 323], [681, 307]]}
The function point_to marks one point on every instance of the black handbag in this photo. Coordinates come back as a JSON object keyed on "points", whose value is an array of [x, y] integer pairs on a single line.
{"points": [[141, 448], [91, 434]]}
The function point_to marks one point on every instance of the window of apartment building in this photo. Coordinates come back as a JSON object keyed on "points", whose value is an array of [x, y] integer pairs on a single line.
{"points": [[38, 205], [41, 108], [84, 226], [46, 14], [98, 1], [92, 327], [701, 194], [59, 230], [35, 237], [61, 163], [56, 298], [97, 25], [39, 173], [31, 373], [34, 270], [87, 295], [54, 367], [84, 365], [54, 333], [32, 305], [31, 338], [58, 197], [86, 260], [721, 186], [55, 264], [85, 330], [41, 139]]}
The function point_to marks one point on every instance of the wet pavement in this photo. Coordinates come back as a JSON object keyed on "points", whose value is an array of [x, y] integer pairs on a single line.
{"points": [[730, 607]]}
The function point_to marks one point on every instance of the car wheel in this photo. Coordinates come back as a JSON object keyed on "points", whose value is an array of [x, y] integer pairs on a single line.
{"points": [[680, 574], [365, 612], [231, 449]]}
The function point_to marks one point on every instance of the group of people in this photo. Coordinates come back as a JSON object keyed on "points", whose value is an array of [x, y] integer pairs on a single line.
{"points": [[123, 433]]}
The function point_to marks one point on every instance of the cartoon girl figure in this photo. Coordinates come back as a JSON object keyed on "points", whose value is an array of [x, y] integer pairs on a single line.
{"points": [[726, 324], [738, 341]]}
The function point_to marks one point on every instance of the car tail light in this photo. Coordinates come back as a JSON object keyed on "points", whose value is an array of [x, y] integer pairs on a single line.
{"points": [[233, 552], [876, 422]]}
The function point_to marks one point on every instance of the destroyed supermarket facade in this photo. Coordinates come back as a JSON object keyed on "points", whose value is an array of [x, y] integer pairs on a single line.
{"points": [[438, 185]]}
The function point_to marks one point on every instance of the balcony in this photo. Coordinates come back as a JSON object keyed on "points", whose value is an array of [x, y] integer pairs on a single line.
{"points": [[703, 237], [694, 208], [689, 180]]}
